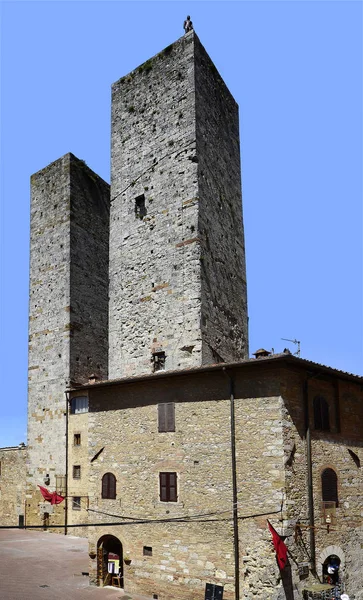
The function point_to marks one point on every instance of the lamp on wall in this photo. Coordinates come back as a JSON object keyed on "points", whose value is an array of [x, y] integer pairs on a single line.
{"points": [[328, 521]]}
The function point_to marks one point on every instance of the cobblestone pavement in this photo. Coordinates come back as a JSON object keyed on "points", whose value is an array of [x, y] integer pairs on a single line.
{"points": [[37, 565]]}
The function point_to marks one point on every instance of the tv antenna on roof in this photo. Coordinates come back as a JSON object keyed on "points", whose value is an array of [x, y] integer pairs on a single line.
{"points": [[294, 342]]}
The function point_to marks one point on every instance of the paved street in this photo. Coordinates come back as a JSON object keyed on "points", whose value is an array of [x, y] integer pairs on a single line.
{"points": [[38, 565]]}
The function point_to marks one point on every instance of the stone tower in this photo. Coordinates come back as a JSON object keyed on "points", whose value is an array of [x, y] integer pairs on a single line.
{"points": [[177, 261], [68, 309]]}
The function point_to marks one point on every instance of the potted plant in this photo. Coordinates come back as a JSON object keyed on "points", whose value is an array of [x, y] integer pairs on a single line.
{"points": [[127, 559]]}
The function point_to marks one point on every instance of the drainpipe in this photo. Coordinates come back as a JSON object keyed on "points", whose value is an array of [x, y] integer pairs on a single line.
{"points": [[66, 498], [310, 475], [234, 486]]}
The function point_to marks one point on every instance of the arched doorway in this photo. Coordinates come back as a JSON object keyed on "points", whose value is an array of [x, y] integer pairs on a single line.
{"points": [[331, 567], [109, 561]]}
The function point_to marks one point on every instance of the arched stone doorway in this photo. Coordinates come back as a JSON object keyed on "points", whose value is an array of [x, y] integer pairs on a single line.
{"points": [[331, 568], [109, 561], [331, 555]]}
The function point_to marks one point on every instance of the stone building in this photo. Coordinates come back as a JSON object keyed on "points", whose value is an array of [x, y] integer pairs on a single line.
{"points": [[296, 427], [12, 488], [173, 448]]}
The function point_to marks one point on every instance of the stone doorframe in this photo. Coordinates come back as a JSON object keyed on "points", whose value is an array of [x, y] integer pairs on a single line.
{"points": [[328, 551]]}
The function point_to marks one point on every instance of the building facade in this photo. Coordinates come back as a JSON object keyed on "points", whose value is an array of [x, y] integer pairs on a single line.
{"points": [[165, 441]]}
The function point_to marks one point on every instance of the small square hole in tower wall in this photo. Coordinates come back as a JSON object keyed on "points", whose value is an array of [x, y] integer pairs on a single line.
{"points": [[147, 551], [140, 208], [159, 361]]}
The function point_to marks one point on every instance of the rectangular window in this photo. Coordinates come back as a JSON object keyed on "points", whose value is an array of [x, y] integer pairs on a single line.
{"points": [[60, 484], [79, 405], [159, 361], [76, 471], [168, 487], [166, 417], [140, 208], [77, 439], [76, 503], [147, 551]]}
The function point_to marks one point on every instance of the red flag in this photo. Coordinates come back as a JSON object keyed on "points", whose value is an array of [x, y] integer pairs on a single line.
{"points": [[280, 547], [56, 498], [46, 495], [51, 497]]}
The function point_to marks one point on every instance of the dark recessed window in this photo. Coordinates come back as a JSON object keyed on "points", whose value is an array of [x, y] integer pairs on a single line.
{"points": [[76, 471], [76, 503], [147, 551], [109, 486], [329, 486], [77, 439], [159, 361], [321, 414], [140, 208], [79, 405], [166, 417], [168, 487]]}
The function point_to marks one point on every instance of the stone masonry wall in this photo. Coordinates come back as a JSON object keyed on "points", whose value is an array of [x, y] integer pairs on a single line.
{"points": [[166, 247], [68, 294], [220, 227], [329, 450], [185, 555], [12, 484], [124, 422], [78, 455], [154, 260]]}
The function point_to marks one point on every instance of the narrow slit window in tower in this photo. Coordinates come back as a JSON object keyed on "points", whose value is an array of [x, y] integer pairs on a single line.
{"points": [[140, 208]]}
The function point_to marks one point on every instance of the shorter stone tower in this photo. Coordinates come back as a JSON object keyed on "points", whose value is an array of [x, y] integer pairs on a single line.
{"points": [[68, 309], [178, 294]]}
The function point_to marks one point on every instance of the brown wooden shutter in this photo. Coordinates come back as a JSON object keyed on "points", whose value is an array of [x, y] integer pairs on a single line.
{"points": [[112, 486], [170, 416], [162, 418], [329, 486], [109, 486], [172, 487], [166, 417], [163, 487]]}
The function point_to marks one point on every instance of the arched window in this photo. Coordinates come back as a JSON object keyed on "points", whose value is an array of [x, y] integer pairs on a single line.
{"points": [[109, 486], [329, 486], [321, 414]]}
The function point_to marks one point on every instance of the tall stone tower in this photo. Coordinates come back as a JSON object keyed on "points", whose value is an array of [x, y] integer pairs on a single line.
{"points": [[68, 310], [177, 261]]}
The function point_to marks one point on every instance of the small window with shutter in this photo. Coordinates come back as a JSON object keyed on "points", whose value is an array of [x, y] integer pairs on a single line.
{"points": [[321, 414], [329, 486], [76, 471], [168, 487], [109, 486], [166, 417]]}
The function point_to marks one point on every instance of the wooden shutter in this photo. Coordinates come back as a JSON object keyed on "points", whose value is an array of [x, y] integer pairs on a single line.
{"points": [[317, 413], [321, 414], [166, 417], [170, 416], [325, 415], [172, 487], [162, 418], [168, 487], [163, 487], [329, 486], [109, 486], [112, 486]]}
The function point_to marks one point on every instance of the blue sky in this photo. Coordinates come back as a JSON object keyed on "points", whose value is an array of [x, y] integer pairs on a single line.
{"points": [[295, 68]]}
